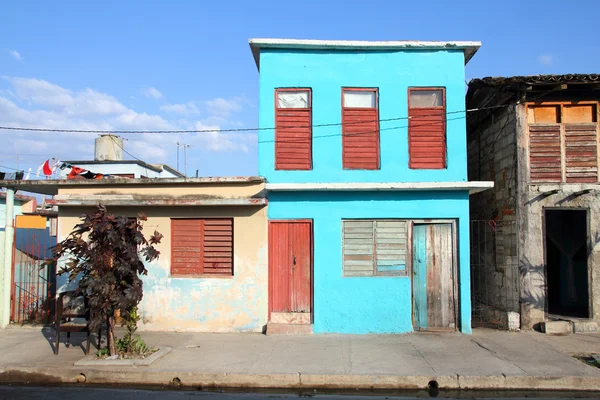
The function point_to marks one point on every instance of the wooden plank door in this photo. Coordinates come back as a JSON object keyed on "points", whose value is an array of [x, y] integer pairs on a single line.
{"points": [[290, 276], [433, 277]]}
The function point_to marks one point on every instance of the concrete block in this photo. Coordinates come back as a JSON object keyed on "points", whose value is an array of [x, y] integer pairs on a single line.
{"points": [[557, 327], [514, 321], [585, 327], [289, 329]]}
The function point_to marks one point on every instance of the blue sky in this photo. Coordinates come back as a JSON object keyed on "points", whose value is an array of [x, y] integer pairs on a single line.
{"points": [[186, 64]]}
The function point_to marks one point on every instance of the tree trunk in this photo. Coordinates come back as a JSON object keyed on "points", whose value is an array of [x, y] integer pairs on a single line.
{"points": [[110, 335]]}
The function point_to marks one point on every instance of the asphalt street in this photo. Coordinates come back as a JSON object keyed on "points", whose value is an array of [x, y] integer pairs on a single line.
{"points": [[93, 393]]}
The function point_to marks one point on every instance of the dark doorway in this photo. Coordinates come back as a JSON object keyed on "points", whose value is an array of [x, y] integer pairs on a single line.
{"points": [[566, 263]]}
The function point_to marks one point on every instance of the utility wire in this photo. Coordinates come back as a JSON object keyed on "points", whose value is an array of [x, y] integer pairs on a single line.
{"points": [[245, 129], [131, 155], [14, 169]]}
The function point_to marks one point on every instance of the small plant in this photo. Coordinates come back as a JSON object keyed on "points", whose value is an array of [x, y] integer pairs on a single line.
{"points": [[102, 353], [131, 343]]}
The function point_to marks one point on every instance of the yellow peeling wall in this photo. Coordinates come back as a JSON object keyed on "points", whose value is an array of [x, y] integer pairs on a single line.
{"points": [[231, 304]]}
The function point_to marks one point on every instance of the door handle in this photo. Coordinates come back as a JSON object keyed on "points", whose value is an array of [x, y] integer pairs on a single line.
{"points": [[294, 260]]}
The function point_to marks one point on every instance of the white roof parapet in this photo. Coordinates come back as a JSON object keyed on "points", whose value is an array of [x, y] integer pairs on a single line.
{"points": [[472, 187], [469, 48]]}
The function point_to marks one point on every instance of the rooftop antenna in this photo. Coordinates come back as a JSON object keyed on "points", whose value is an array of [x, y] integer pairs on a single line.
{"points": [[185, 146]]}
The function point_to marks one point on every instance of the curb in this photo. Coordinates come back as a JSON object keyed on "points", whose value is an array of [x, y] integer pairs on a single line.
{"points": [[91, 361], [142, 377]]}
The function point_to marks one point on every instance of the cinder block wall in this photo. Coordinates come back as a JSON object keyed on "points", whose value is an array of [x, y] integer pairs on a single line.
{"points": [[492, 155]]}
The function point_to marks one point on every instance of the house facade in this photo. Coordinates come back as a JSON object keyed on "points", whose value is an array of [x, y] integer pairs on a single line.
{"points": [[367, 183], [537, 138], [211, 275]]}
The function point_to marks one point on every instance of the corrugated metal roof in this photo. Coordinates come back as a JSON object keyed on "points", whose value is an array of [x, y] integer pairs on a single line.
{"points": [[534, 80]]}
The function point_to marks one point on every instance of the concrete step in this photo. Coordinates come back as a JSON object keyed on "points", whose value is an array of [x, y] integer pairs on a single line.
{"points": [[290, 318], [289, 329], [557, 327], [585, 327]]}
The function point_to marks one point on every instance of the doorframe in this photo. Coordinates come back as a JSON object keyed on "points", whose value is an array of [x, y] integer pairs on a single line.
{"points": [[455, 286], [589, 245], [312, 265]]}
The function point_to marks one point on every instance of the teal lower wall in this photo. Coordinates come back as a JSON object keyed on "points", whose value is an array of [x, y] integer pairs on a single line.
{"points": [[370, 304]]}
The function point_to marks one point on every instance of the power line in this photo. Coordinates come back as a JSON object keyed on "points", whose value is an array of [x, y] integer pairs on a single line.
{"points": [[14, 169], [131, 155], [118, 132]]}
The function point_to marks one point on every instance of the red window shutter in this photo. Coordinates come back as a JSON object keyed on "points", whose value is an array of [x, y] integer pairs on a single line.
{"points": [[427, 135], [186, 246], [293, 136], [581, 153], [202, 246], [218, 246], [360, 135], [544, 153]]}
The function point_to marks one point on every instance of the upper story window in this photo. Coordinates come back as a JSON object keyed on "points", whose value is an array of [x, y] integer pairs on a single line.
{"points": [[360, 128], [563, 141], [293, 129], [427, 128]]}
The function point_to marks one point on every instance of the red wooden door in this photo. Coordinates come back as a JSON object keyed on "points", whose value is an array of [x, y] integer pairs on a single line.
{"points": [[290, 244]]}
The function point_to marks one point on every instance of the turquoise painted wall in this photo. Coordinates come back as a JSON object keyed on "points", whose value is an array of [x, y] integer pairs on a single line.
{"points": [[370, 304], [393, 72]]}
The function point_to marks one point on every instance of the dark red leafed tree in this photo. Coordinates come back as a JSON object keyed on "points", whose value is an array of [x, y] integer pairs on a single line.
{"points": [[107, 253]]}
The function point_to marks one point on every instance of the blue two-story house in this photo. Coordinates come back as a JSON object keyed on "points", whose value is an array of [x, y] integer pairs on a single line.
{"points": [[363, 145]]}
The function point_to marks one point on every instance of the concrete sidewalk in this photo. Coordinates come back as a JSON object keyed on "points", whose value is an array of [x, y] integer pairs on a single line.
{"points": [[485, 360]]}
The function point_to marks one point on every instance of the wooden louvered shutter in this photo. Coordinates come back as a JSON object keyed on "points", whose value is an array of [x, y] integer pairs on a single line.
{"points": [[374, 248], [581, 153], [218, 246], [293, 129], [186, 246], [202, 246], [358, 238], [360, 129], [545, 153], [390, 247], [427, 128]]}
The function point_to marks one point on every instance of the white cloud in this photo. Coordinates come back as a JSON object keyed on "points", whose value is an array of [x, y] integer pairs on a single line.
{"points": [[151, 93], [187, 109], [40, 92], [223, 107], [546, 59], [31, 102], [16, 55]]}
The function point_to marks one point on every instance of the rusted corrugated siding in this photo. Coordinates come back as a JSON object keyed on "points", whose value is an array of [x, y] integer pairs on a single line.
{"points": [[427, 138], [290, 266], [360, 138], [544, 153], [202, 246], [293, 139], [581, 153]]}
